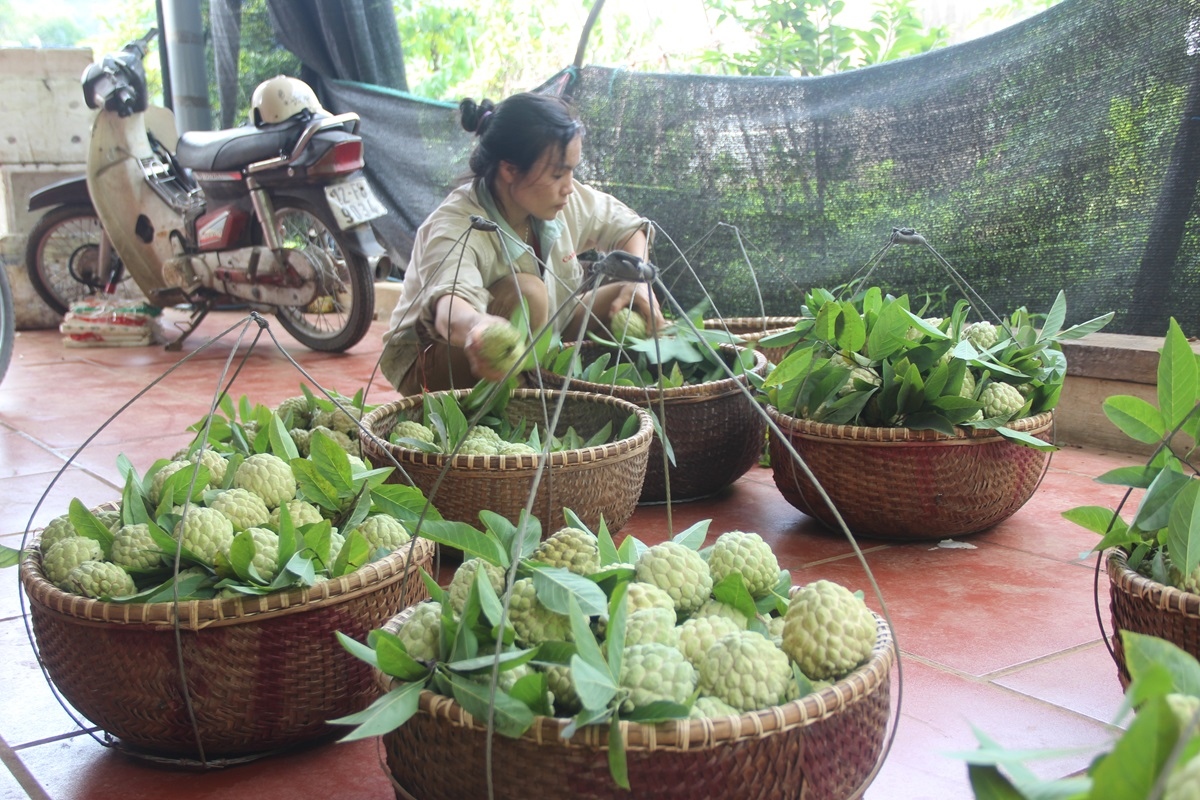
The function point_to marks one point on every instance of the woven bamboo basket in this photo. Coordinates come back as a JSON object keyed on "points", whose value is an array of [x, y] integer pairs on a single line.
{"points": [[820, 747], [262, 673], [898, 483], [716, 431], [1144, 605], [752, 329], [594, 482]]}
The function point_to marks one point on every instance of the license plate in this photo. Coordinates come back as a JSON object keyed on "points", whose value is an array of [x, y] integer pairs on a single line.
{"points": [[353, 203]]}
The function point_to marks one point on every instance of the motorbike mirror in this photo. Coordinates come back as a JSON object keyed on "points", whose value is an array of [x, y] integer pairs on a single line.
{"points": [[140, 46]]}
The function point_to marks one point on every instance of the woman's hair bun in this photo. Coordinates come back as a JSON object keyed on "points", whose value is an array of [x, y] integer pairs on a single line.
{"points": [[473, 115]]}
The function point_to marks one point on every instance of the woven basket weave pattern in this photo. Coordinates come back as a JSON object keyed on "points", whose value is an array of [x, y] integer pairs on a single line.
{"points": [[261, 673], [1146, 606], [821, 747], [753, 329], [716, 432], [897, 483], [594, 482]]}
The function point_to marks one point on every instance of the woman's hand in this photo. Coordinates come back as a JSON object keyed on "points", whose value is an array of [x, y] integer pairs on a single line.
{"points": [[482, 367], [638, 297]]}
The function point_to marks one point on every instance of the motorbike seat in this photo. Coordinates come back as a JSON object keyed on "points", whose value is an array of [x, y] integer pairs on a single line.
{"points": [[234, 148]]}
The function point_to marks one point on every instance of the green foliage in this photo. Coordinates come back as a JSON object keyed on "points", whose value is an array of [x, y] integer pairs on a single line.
{"points": [[1162, 538], [869, 360]]}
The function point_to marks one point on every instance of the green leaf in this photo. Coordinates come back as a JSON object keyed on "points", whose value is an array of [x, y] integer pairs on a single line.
{"points": [[86, 524], [393, 658], [462, 536], [693, 537], [1096, 519], [586, 646], [1020, 437], [987, 783], [314, 485], [9, 557], [1135, 418], [133, 506], [1183, 528], [355, 552], [241, 558], [1142, 652], [483, 664], [631, 549], [357, 649], [595, 687], [618, 765], [510, 717], [385, 714], [657, 711], [889, 335], [556, 587], [1155, 509], [732, 590], [615, 632], [851, 331], [1137, 477], [436, 592], [281, 441], [1130, 770], [332, 463], [405, 503], [1177, 377]]}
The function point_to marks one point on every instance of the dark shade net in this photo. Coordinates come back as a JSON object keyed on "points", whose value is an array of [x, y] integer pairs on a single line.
{"points": [[1060, 153]]}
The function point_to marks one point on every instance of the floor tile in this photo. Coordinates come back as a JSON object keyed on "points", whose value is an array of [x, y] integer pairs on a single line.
{"points": [[33, 713], [1099, 699], [25, 493], [21, 455], [938, 713], [79, 768]]}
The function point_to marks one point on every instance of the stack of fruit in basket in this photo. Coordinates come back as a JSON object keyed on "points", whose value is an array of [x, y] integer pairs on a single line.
{"points": [[600, 633], [266, 501]]}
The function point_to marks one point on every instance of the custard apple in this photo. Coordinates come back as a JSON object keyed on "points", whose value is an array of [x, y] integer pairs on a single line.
{"points": [[715, 608], [968, 385], [1184, 782], [422, 631], [66, 554], [711, 707], [464, 577], [651, 625], [302, 438], [298, 408], [99, 579], [108, 518], [342, 440], [384, 531], [1000, 400], [301, 513], [266, 552], [628, 324], [747, 553], [1184, 707], [244, 508], [408, 429], [747, 671], [134, 548], [500, 346], [215, 463], [827, 631], [156, 483], [646, 595], [517, 449], [56, 530], [343, 420], [532, 621], [572, 549], [653, 672], [558, 680], [698, 634], [775, 630], [981, 334], [268, 476], [678, 570], [478, 446], [336, 541], [205, 532]]}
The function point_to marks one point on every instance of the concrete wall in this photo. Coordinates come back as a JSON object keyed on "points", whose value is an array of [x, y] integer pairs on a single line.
{"points": [[43, 138]]}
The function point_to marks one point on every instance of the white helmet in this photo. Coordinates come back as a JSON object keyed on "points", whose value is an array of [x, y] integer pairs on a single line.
{"points": [[281, 98]]}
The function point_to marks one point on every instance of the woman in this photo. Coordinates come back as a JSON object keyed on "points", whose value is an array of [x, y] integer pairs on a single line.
{"points": [[458, 285]]}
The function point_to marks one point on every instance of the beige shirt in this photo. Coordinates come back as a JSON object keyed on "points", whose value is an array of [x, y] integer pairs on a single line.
{"points": [[449, 257]]}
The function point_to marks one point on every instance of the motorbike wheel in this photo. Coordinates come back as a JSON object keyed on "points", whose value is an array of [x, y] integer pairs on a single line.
{"points": [[63, 259], [342, 312], [8, 329]]}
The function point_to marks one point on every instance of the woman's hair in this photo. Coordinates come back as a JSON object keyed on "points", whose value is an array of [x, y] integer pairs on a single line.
{"points": [[517, 130]]}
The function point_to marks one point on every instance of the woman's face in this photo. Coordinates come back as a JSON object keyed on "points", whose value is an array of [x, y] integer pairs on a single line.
{"points": [[543, 191]]}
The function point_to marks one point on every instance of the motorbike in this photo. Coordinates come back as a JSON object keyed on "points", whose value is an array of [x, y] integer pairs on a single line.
{"points": [[274, 215]]}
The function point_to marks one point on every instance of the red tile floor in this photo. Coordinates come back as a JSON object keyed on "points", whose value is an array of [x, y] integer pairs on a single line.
{"points": [[1000, 634]]}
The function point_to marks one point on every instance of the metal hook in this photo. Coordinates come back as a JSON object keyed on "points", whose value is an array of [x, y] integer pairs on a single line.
{"points": [[623, 266]]}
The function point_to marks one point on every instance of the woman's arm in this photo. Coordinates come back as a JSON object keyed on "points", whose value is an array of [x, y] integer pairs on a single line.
{"points": [[460, 324]]}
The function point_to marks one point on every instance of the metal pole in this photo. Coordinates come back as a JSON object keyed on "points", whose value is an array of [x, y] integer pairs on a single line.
{"points": [[183, 31]]}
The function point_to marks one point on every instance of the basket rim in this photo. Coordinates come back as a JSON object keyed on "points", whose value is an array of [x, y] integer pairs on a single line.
{"points": [[692, 734], [758, 327], [1162, 596], [860, 434], [640, 440], [194, 615], [644, 395]]}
